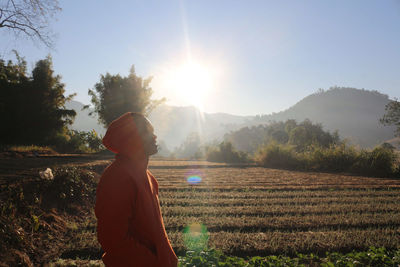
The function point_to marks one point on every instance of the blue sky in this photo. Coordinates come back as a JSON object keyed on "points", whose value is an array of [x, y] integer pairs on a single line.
{"points": [[267, 55]]}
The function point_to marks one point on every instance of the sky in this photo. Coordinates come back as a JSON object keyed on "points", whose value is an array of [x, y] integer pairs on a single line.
{"points": [[246, 57]]}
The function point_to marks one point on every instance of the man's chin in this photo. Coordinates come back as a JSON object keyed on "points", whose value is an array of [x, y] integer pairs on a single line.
{"points": [[153, 151]]}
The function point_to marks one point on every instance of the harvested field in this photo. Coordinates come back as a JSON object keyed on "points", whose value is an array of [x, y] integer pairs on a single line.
{"points": [[249, 210], [242, 210]]}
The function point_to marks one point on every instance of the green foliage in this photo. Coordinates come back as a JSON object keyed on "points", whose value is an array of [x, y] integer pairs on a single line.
{"points": [[372, 257], [277, 155], [336, 158], [209, 257], [381, 161], [195, 237], [115, 95], [225, 152], [32, 107], [378, 162], [392, 116], [338, 108], [73, 141], [300, 135], [308, 147]]}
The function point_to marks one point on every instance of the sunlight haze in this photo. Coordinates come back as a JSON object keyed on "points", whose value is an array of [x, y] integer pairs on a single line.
{"points": [[238, 57]]}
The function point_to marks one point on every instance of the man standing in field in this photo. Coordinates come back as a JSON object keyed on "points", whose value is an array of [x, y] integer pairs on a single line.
{"points": [[130, 227]]}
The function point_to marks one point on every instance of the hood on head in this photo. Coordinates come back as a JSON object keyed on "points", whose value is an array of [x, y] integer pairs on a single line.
{"points": [[122, 136]]}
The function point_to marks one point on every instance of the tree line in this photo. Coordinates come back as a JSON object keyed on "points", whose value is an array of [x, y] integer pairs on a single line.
{"points": [[32, 105], [291, 145], [32, 108]]}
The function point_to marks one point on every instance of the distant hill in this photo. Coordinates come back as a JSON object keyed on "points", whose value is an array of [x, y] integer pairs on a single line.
{"points": [[84, 122], [172, 124], [353, 112]]}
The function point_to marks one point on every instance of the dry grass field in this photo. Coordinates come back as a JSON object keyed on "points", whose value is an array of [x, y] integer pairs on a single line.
{"points": [[242, 210], [258, 211]]}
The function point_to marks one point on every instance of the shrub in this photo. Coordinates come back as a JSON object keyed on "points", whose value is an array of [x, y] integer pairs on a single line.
{"points": [[336, 158], [301, 135], [225, 152], [276, 155], [71, 185], [94, 141], [77, 142], [381, 161]]}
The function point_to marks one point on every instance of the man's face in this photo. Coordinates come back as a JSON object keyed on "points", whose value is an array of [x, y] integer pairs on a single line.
{"points": [[146, 131]]}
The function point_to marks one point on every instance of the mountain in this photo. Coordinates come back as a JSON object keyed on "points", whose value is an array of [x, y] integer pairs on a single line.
{"points": [[172, 124], [84, 122], [355, 113]]}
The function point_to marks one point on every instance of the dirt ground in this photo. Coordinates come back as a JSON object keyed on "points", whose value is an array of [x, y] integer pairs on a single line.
{"points": [[45, 228], [59, 228]]}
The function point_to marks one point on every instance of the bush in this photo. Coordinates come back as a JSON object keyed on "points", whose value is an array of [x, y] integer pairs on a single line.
{"points": [[276, 155], [71, 185], [380, 162], [225, 152], [77, 142], [336, 158], [301, 135]]}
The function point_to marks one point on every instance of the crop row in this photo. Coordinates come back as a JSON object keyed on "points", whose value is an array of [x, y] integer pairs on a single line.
{"points": [[266, 243], [267, 182], [264, 194], [247, 176], [279, 210], [276, 201], [226, 187], [287, 222]]}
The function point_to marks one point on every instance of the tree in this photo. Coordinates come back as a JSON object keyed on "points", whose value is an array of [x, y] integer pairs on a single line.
{"points": [[48, 100], [392, 116], [115, 95], [29, 17], [225, 152], [32, 108], [13, 84], [191, 147]]}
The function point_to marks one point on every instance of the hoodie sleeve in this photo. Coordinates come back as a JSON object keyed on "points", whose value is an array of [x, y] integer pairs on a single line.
{"points": [[114, 210]]}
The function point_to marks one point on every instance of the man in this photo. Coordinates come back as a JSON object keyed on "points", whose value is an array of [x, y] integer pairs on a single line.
{"points": [[130, 227]]}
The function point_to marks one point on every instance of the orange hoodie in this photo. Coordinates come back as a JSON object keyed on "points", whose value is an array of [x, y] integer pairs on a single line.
{"points": [[130, 227]]}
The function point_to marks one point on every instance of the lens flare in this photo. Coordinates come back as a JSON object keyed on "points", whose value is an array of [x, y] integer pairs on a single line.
{"points": [[194, 179], [195, 236], [194, 176]]}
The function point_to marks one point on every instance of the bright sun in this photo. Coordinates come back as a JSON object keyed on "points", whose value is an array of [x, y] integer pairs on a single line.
{"points": [[191, 83]]}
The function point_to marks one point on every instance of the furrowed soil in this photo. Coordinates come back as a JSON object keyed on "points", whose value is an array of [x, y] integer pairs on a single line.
{"points": [[243, 210]]}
